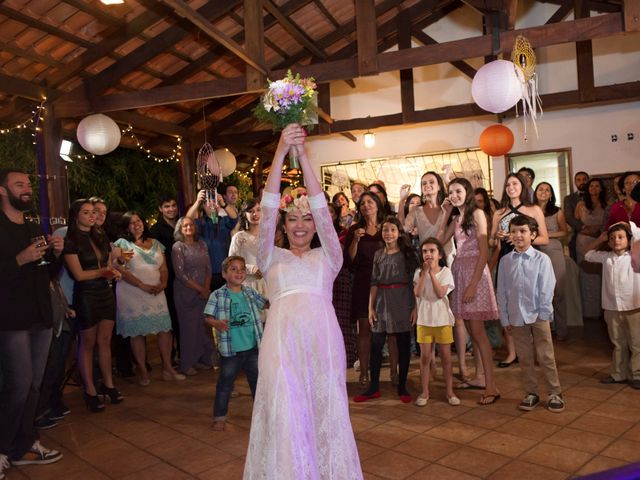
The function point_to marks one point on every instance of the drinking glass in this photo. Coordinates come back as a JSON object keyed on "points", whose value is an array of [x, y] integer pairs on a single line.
{"points": [[40, 241]]}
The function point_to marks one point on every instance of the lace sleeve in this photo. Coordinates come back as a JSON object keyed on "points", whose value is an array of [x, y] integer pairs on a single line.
{"points": [[177, 258], [326, 231], [266, 235], [239, 246]]}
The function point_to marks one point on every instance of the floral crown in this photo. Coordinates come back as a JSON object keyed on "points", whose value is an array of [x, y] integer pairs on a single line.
{"points": [[296, 200]]}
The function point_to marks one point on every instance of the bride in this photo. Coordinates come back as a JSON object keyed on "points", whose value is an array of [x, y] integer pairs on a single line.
{"points": [[300, 427]]}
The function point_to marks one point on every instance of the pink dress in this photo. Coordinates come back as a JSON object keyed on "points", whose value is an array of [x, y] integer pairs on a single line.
{"points": [[300, 428], [483, 306]]}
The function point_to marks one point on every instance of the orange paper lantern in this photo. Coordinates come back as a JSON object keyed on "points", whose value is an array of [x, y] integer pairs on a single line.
{"points": [[496, 140]]}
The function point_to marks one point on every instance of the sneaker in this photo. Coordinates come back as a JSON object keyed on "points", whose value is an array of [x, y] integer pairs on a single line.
{"points": [[4, 465], [59, 412], [38, 455], [45, 423], [422, 401], [529, 402], [555, 403]]}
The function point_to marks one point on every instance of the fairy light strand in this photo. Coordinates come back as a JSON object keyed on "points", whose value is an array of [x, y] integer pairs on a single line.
{"points": [[175, 155], [35, 121]]}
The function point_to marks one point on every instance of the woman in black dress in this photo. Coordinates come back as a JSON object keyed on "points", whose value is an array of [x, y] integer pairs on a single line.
{"points": [[87, 255]]}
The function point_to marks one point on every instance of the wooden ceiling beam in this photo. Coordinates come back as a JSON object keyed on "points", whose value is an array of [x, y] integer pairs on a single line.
{"points": [[584, 56], [25, 89], [204, 24], [544, 35], [407, 97], [631, 15], [293, 30], [254, 40], [367, 37], [560, 14], [461, 65]]}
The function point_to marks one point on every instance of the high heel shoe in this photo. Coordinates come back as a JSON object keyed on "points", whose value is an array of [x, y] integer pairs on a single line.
{"points": [[114, 395], [94, 405]]}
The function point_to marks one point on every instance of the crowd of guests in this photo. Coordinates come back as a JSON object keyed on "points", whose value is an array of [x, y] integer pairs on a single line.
{"points": [[448, 269]]}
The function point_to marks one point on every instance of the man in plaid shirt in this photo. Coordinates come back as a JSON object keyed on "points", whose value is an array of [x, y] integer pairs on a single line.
{"points": [[234, 311]]}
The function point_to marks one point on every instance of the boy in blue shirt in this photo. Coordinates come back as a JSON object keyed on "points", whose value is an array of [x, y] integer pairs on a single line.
{"points": [[234, 311], [525, 295]]}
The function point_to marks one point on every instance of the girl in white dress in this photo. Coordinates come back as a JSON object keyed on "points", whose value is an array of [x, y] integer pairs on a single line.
{"points": [[300, 427]]}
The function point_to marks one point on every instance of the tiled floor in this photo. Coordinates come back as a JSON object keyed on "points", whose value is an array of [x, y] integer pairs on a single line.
{"points": [[163, 431]]}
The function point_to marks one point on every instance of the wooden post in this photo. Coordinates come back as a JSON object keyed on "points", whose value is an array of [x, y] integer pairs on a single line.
{"points": [[367, 37], [187, 180], [324, 102], [406, 75], [631, 13], [584, 57], [254, 41]]}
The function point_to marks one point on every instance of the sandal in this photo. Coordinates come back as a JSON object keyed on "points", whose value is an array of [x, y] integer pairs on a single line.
{"points": [[489, 399], [453, 401], [466, 385]]}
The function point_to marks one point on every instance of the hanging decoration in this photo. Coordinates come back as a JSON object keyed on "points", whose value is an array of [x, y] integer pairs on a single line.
{"points": [[496, 87], [176, 153], [98, 134], [524, 59], [37, 117], [227, 161], [496, 140]]}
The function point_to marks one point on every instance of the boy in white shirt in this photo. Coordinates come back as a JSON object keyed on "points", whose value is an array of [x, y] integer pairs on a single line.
{"points": [[620, 301]]}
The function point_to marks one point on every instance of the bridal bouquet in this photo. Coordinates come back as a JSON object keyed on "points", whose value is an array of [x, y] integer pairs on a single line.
{"points": [[286, 101]]}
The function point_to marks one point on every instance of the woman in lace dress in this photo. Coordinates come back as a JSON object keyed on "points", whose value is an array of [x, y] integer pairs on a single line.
{"points": [[300, 427], [192, 269], [245, 244], [141, 303]]}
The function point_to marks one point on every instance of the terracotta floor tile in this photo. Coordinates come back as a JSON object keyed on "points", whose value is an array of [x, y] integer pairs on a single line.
{"points": [[580, 440], [623, 449], [456, 432], [126, 463], [441, 472], [367, 450], [426, 448], [590, 392], [473, 461], [627, 396], [415, 422], [600, 424], [232, 470], [160, 471], [579, 404], [528, 428], [443, 410], [503, 444], [633, 433], [393, 465], [526, 471], [600, 464], [541, 414], [483, 418], [386, 435], [200, 459], [614, 410], [555, 457]]}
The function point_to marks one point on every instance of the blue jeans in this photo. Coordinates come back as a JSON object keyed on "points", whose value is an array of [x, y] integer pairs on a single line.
{"points": [[54, 373], [229, 369], [23, 356]]}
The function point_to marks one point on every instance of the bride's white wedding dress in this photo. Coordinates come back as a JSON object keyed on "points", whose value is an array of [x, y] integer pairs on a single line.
{"points": [[300, 427]]}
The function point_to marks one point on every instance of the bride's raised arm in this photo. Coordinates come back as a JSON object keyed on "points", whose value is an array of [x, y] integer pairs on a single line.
{"points": [[320, 211]]}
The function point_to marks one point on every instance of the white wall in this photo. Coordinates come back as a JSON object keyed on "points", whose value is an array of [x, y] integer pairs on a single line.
{"points": [[586, 131]]}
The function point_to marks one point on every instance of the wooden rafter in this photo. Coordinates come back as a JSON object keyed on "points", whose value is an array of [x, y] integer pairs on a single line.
{"points": [[254, 40], [202, 22], [584, 57], [367, 36]]}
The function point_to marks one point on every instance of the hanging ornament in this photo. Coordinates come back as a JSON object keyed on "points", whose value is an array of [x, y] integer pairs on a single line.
{"points": [[98, 134], [496, 140], [524, 59], [495, 86], [209, 177], [227, 161]]}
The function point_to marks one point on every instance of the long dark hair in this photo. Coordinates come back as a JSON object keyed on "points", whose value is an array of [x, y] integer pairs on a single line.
{"points": [[362, 222], [336, 221], [551, 208], [408, 202], [404, 244], [524, 194], [469, 203], [386, 208], [602, 196], [442, 190], [124, 226], [96, 234], [246, 206], [487, 202], [284, 242]]}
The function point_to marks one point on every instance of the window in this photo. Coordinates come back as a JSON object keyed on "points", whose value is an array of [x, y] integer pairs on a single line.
{"points": [[553, 167]]}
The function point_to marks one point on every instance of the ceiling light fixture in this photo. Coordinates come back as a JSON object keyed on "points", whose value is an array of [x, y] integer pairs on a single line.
{"points": [[369, 139]]}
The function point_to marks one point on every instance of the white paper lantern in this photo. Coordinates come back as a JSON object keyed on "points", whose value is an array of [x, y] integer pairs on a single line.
{"points": [[496, 87], [98, 134], [227, 161]]}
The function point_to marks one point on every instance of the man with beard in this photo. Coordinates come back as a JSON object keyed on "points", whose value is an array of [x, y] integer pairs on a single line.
{"points": [[25, 322], [580, 180], [162, 231]]}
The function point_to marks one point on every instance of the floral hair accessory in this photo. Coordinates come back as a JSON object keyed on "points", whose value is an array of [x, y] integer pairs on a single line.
{"points": [[296, 200]]}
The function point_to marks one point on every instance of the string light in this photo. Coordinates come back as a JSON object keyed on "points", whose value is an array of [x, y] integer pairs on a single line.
{"points": [[35, 121], [175, 155]]}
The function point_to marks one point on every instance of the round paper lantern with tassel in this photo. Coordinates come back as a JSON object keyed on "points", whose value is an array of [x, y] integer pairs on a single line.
{"points": [[227, 161], [496, 87], [496, 140], [98, 134]]}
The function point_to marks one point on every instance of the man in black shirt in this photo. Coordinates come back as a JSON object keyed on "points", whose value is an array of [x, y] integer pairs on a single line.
{"points": [[162, 231], [25, 322]]}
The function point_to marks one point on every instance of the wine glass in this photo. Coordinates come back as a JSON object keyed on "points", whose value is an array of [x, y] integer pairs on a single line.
{"points": [[40, 241], [127, 255]]}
